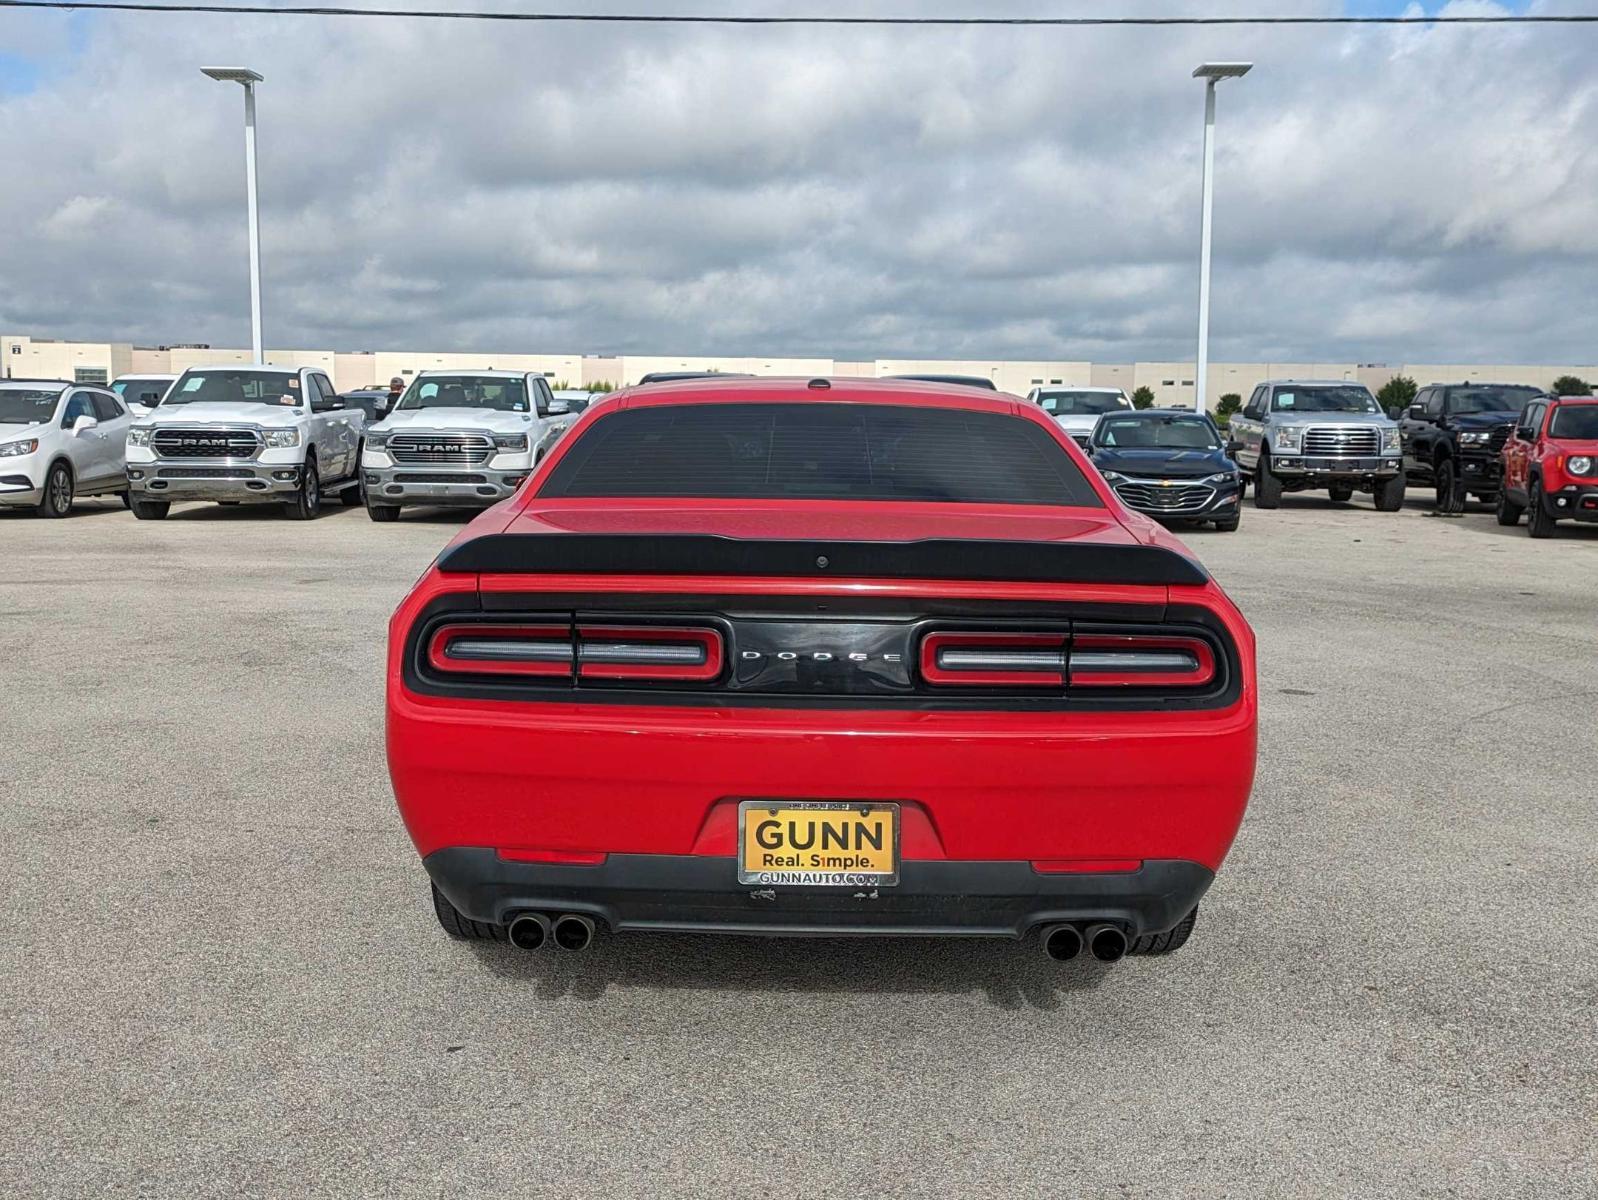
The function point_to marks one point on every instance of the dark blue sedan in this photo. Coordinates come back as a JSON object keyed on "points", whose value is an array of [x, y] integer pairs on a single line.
{"points": [[1170, 464]]}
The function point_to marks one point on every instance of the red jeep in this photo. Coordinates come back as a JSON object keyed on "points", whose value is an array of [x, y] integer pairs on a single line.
{"points": [[826, 657], [1551, 464]]}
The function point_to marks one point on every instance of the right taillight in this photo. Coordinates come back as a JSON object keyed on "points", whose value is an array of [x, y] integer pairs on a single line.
{"points": [[1140, 660]]}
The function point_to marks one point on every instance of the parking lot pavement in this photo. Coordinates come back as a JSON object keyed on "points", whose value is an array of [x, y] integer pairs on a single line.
{"points": [[222, 977]]}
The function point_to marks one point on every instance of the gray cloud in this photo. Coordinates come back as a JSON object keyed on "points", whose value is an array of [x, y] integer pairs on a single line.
{"points": [[1404, 194]]}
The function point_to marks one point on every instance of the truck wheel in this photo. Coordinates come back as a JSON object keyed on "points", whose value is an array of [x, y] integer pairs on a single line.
{"points": [[307, 502], [1508, 511], [1389, 494], [1267, 488], [382, 512], [57, 500], [1538, 521], [150, 510], [1341, 493], [1168, 942], [463, 927], [1450, 494]]}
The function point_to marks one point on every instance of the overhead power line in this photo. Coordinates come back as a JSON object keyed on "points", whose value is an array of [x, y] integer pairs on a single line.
{"points": [[156, 6]]}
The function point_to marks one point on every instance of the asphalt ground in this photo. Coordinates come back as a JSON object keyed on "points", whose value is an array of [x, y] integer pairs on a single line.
{"points": [[222, 977]]}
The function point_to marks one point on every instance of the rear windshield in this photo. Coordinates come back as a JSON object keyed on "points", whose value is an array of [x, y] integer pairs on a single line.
{"points": [[820, 451], [1575, 421]]}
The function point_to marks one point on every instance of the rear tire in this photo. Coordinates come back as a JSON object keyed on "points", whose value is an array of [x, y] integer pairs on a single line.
{"points": [[1538, 521], [1508, 511], [1389, 494], [57, 501], [150, 510], [307, 502], [1450, 492], [1341, 493], [1168, 942], [460, 927], [1267, 488]]}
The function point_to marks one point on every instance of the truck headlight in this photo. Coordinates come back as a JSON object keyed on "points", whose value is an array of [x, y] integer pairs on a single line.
{"points": [[376, 440], [1475, 439], [1391, 444], [18, 449], [1288, 439], [139, 437], [277, 439], [1576, 464], [510, 441]]}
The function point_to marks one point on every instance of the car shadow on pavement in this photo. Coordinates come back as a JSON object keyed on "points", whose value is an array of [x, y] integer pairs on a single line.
{"points": [[1010, 974]]}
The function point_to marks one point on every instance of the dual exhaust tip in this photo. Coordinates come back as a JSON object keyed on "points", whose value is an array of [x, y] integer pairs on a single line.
{"points": [[1062, 943], [569, 931]]}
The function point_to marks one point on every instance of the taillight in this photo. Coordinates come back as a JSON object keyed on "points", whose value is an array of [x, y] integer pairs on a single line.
{"points": [[648, 652], [640, 653], [1140, 660], [1002, 659], [994, 659]]}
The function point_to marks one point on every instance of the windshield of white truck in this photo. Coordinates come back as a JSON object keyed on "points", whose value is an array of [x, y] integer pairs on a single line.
{"points": [[1081, 404], [230, 386], [27, 406], [466, 391], [1325, 399]]}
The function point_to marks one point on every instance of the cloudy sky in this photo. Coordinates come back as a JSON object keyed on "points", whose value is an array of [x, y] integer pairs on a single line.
{"points": [[1383, 194]]}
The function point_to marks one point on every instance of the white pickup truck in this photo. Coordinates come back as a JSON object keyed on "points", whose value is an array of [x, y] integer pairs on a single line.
{"points": [[253, 434], [457, 438]]}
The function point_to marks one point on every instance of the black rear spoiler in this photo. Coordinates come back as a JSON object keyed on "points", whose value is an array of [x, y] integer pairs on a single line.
{"points": [[934, 558]]}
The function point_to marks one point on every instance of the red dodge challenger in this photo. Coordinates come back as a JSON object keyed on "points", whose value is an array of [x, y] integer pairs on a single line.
{"points": [[825, 657]]}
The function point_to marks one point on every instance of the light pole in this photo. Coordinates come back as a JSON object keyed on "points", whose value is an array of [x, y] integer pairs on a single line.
{"points": [[248, 79], [1210, 73]]}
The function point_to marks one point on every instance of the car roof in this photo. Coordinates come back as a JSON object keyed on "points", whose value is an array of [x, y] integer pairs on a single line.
{"points": [[1080, 387], [822, 390], [1155, 412], [1482, 383], [144, 375], [1317, 383], [494, 372], [259, 368], [34, 383], [1574, 399]]}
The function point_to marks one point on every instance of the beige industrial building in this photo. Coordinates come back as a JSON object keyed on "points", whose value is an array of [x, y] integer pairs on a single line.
{"points": [[23, 357]]}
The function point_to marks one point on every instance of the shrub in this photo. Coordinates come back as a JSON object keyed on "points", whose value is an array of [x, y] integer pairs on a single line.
{"points": [[1143, 398]]}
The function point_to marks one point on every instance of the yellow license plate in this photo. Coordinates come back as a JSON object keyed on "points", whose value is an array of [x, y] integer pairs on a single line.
{"points": [[818, 843]]}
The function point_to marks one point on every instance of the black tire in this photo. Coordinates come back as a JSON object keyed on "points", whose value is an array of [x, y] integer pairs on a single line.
{"points": [[127, 498], [383, 513], [1539, 523], [1508, 512], [462, 927], [1450, 490], [1267, 488], [1341, 493], [351, 496], [1168, 942], [1389, 494], [228, 503], [151, 510], [307, 502], [1229, 524], [57, 501]]}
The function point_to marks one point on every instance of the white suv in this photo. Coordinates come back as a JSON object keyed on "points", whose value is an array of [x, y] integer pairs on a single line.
{"points": [[59, 440], [1077, 409]]}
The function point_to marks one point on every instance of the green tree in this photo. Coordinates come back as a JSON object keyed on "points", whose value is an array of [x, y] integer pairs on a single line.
{"points": [[1570, 385], [1397, 392], [1230, 403], [1143, 398]]}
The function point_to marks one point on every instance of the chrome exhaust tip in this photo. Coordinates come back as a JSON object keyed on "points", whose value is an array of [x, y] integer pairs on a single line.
{"points": [[1106, 942], [528, 931], [1062, 943], [573, 931]]}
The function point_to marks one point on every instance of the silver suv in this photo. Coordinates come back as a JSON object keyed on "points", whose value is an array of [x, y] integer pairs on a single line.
{"points": [[1305, 435]]}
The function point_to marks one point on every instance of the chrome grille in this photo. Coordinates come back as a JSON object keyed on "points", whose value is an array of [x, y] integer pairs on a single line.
{"points": [[1162, 498], [456, 449], [205, 443], [1499, 437], [1342, 441]]}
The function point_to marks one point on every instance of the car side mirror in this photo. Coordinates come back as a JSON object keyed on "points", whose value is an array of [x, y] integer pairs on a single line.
{"points": [[1232, 448], [1417, 412], [85, 423], [559, 406]]}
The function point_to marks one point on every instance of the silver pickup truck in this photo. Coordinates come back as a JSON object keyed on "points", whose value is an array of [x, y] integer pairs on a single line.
{"points": [[252, 434], [1307, 435]]}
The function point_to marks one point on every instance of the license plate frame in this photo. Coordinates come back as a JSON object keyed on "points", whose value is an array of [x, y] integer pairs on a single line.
{"points": [[795, 876]]}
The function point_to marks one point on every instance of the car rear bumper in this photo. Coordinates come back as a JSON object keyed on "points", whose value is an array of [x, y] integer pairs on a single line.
{"points": [[189, 480], [934, 898], [476, 487]]}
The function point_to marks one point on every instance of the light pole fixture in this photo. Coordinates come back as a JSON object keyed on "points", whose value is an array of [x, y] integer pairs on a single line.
{"points": [[1211, 74], [248, 79]]}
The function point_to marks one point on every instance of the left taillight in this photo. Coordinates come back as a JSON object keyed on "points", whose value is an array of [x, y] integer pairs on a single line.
{"points": [[589, 652]]}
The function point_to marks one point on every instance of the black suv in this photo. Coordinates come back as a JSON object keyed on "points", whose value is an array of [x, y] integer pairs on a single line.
{"points": [[1454, 435]]}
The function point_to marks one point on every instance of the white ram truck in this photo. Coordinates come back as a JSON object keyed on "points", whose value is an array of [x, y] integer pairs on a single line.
{"points": [[253, 434], [456, 438]]}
